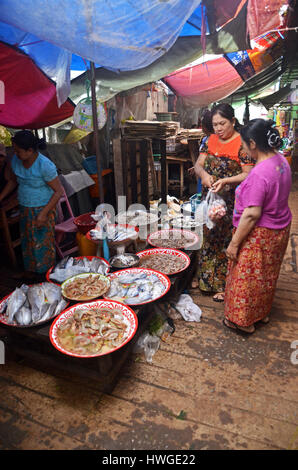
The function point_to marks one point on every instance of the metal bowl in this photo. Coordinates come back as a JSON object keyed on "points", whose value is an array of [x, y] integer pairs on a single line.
{"points": [[118, 261]]}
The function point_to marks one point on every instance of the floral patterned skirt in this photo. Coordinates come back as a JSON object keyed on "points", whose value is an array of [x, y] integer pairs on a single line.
{"points": [[251, 282], [213, 263], [38, 244]]}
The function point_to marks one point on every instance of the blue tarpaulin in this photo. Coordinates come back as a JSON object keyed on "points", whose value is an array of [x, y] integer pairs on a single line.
{"points": [[118, 34]]}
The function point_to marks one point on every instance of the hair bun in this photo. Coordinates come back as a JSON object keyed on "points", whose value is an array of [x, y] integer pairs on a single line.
{"points": [[273, 137]]}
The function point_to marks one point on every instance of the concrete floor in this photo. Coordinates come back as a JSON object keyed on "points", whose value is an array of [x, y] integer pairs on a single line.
{"points": [[207, 388]]}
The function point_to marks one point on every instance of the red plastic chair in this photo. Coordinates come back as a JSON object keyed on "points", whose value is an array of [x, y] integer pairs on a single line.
{"points": [[65, 226]]}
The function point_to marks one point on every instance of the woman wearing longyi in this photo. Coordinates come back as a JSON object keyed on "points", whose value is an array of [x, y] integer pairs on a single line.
{"points": [[223, 157], [39, 190], [262, 220]]}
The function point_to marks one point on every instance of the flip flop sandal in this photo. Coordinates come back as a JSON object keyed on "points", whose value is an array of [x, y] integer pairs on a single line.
{"points": [[220, 298], [233, 326]]}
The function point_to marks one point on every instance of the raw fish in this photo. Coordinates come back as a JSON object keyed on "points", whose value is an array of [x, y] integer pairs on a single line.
{"points": [[62, 263], [23, 316], [3, 306], [37, 301], [61, 306], [51, 307], [15, 302], [52, 292]]}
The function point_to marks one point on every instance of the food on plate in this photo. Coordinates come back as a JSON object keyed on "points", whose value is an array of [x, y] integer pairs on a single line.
{"points": [[70, 266], [172, 239], [136, 218], [124, 261], [85, 287], [114, 233], [92, 331], [136, 288], [29, 305], [185, 222], [164, 262]]}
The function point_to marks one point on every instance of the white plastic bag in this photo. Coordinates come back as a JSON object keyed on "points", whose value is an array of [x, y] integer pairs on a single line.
{"points": [[188, 309], [216, 208], [148, 345]]}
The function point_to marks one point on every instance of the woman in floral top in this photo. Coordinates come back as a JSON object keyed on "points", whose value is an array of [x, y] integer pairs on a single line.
{"points": [[223, 157]]}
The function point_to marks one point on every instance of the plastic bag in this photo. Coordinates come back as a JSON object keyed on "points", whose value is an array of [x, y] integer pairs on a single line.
{"points": [[188, 309], [216, 208], [148, 345]]}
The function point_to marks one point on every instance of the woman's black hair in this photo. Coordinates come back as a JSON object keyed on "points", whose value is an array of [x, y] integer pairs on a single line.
{"points": [[226, 111], [26, 140], [265, 136], [207, 121]]}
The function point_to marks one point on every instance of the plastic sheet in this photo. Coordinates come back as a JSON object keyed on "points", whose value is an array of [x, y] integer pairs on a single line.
{"points": [[119, 35]]}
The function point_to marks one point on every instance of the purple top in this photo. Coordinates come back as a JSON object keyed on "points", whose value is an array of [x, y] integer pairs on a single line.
{"points": [[268, 186]]}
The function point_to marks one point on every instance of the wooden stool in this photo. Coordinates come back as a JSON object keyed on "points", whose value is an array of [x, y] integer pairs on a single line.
{"points": [[5, 222]]}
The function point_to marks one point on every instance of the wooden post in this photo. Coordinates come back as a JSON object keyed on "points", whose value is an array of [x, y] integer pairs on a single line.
{"points": [[164, 179], [95, 134], [144, 173]]}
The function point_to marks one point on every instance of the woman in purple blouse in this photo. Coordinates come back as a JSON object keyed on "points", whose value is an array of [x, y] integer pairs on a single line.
{"points": [[262, 221]]}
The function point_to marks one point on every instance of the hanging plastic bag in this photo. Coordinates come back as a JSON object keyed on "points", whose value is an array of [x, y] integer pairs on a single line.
{"points": [[216, 208], [188, 309]]}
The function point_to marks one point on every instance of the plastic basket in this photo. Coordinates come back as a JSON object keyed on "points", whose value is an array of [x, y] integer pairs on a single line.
{"points": [[85, 222]]}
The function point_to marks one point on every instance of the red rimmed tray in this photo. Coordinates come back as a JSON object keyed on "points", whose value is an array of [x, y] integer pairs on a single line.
{"points": [[76, 257], [127, 312], [166, 251], [16, 325], [162, 277], [152, 239]]}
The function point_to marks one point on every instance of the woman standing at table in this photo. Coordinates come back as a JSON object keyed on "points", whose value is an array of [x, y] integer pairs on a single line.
{"points": [[39, 190], [262, 221], [223, 157]]}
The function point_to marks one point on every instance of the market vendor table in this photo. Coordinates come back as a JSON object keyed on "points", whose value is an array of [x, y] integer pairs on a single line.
{"points": [[34, 343]]}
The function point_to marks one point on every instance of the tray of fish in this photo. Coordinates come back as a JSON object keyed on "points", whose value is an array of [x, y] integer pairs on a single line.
{"points": [[32, 305], [166, 260], [173, 238], [116, 234], [137, 218], [93, 329], [86, 286], [70, 266], [187, 222], [137, 286], [124, 260]]}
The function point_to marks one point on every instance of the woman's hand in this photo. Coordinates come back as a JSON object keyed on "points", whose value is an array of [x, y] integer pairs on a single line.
{"points": [[207, 180], [191, 171], [219, 185], [232, 251], [41, 220]]}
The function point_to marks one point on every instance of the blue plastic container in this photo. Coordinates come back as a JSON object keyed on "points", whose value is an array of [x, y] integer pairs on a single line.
{"points": [[90, 165]]}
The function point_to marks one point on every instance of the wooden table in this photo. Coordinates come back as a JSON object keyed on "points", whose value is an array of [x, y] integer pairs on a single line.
{"points": [[34, 344]]}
